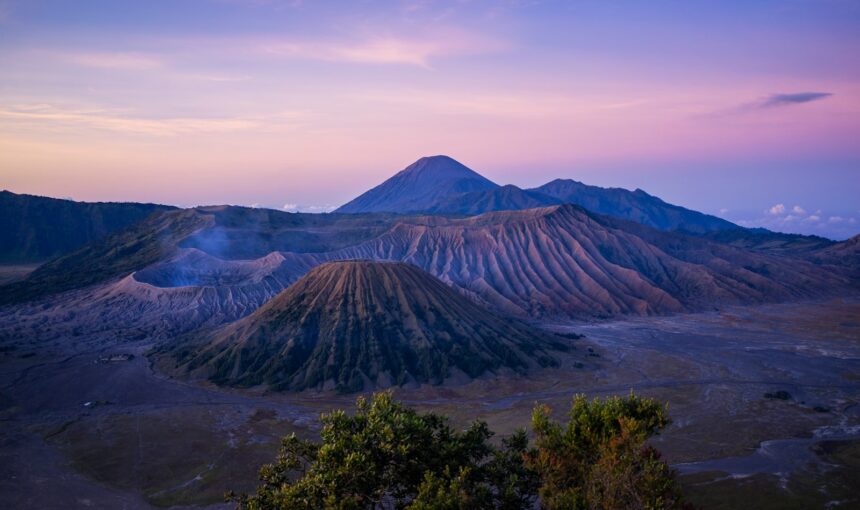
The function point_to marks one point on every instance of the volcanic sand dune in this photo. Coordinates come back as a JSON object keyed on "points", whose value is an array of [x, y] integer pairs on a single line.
{"points": [[355, 325]]}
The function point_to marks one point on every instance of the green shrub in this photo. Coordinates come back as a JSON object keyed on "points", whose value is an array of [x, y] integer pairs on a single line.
{"points": [[388, 456]]}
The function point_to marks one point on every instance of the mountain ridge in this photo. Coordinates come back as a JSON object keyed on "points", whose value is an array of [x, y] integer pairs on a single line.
{"points": [[407, 192], [637, 205], [36, 229]]}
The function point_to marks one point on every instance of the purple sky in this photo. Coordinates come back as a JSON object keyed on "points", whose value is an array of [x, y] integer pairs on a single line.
{"points": [[747, 110]]}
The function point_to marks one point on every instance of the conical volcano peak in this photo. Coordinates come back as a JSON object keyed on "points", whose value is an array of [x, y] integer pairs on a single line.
{"points": [[420, 186], [442, 166], [357, 325]]}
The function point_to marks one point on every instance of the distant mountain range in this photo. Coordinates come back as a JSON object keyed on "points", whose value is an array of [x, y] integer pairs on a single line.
{"points": [[522, 257], [260, 296], [441, 185], [544, 262], [359, 325], [35, 229]]}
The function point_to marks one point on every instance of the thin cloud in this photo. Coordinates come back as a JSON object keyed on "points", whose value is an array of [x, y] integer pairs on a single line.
{"points": [[777, 100], [42, 114], [769, 103], [415, 51], [489, 103], [118, 61], [218, 77]]}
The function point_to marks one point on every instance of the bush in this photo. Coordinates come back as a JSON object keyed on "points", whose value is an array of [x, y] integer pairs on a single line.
{"points": [[388, 456], [599, 459]]}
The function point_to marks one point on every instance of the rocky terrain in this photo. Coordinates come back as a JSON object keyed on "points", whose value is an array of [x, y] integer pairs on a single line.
{"points": [[138, 369], [555, 262], [565, 261], [358, 325]]}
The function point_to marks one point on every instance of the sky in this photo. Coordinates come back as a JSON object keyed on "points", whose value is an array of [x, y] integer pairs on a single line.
{"points": [[748, 110]]}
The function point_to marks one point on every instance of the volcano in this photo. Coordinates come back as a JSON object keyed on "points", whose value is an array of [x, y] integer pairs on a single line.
{"points": [[420, 187], [355, 325]]}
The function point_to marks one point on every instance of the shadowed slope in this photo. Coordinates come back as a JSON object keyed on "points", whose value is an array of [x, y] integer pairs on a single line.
{"points": [[246, 233], [563, 260], [636, 206], [357, 324], [844, 255], [34, 229], [766, 241], [117, 255], [503, 198], [227, 232], [419, 187]]}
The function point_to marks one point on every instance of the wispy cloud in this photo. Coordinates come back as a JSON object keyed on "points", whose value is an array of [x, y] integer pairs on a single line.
{"points": [[494, 102], [218, 77], [416, 51], [106, 120], [119, 61], [776, 100], [770, 102]]}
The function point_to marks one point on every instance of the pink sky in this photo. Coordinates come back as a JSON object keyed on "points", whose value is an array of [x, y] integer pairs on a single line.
{"points": [[273, 102]]}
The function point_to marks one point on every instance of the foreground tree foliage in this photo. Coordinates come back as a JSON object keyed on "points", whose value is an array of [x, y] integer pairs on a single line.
{"points": [[388, 456], [599, 459]]}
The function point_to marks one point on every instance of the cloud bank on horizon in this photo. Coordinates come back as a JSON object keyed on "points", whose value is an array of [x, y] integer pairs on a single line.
{"points": [[269, 101], [798, 220]]}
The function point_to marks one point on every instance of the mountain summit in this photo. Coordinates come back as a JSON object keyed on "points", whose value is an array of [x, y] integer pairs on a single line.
{"points": [[442, 185], [419, 187]]}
